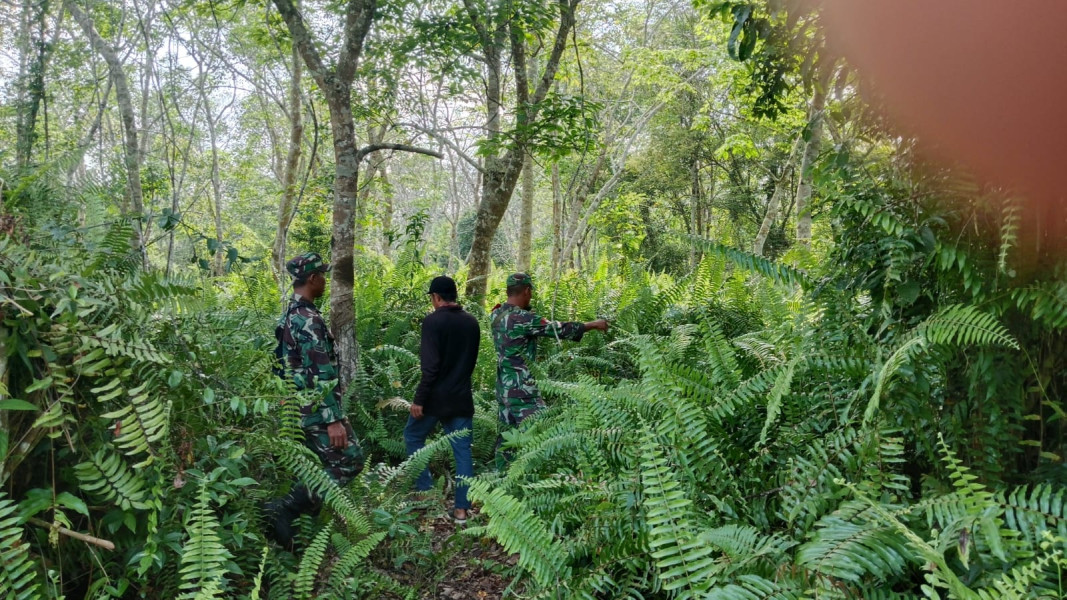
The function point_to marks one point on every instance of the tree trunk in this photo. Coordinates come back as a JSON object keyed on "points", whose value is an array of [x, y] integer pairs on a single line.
{"points": [[695, 200], [5, 427], [30, 94], [811, 154], [129, 126], [292, 165], [557, 220], [346, 184], [336, 85], [775, 205], [502, 172], [526, 221], [387, 208]]}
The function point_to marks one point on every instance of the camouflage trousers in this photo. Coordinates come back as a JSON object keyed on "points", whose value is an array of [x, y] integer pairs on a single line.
{"points": [[513, 411], [341, 465]]}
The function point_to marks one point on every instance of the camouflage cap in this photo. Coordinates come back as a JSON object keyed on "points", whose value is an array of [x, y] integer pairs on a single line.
{"points": [[306, 264], [519, 279]]}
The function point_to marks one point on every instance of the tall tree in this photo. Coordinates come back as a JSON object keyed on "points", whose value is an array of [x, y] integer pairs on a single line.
{"points": [[811, 154], [496, 26], [132, 153], [335, 83], [287, 205], [34, 53]]}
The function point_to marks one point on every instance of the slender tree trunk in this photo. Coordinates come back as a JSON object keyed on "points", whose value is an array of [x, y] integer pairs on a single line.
{"points": [[129, 126], [31, 92], [216, 189], [775, 205], [526, 219], [773, 211], [346, 184], [4, 425], [811, 154], [695, 201], [387, 208], [145, 22], [557, 220], [292, 165]]}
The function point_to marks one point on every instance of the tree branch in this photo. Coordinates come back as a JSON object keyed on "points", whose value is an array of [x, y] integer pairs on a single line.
{"points": [[483, 33], [369, 148], [88, 539], [304, 43], [566, 21], [358, 19], [451, 144]]}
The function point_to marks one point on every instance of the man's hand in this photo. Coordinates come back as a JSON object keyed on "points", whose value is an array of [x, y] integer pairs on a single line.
{"points": [[601, 324], [338, 435], [416, 411]]}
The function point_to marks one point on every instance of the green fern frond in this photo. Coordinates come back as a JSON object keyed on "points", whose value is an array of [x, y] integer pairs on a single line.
{"points": [[310, 563], [754, 587], [966, 325], [257, 581], [106, 475], [1026, 581], [143, 422], [18, 573], [683, 560], [746, 260], [1035, 512], [353, 557], [519, 530], [774, 400], [853, 551], [203, 554], [305, 466], [1045, 302]]}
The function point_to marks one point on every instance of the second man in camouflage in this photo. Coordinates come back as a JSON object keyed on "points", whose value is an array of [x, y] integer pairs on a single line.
{"points": [[515, 331]]}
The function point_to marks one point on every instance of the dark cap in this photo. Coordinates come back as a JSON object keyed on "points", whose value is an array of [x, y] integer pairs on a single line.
{"points": [[519, 279], [306, 264], [442, 284]]}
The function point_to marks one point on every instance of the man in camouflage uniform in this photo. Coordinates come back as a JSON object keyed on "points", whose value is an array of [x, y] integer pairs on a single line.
{"points": [[515, 331], [306, 356]]}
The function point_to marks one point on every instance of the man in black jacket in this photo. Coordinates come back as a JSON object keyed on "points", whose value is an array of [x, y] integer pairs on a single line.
{"points": [[449, 349]]}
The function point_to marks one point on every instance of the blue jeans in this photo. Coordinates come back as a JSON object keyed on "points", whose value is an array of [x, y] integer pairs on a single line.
{"points": [[415, 433]]}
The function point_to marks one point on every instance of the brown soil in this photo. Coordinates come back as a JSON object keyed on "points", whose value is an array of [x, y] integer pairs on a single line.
{"points": [[469, 567]]}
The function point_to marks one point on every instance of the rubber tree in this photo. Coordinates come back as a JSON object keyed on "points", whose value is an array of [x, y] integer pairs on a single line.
{"points": [[335, 82], [497, 29], [131, 149]]}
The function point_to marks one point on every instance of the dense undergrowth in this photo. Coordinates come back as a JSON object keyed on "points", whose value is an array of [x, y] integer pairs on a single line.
{"points": [[880, 419]]}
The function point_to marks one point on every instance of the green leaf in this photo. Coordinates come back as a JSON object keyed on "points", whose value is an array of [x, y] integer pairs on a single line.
{"points": [[175, 378], [39, 384], [16, 404], [72, 502], [209, 396], [243, 481]]}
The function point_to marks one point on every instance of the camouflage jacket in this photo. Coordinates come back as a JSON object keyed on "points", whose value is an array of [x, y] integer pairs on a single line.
{"points": [[515, 333], [310, 358]]}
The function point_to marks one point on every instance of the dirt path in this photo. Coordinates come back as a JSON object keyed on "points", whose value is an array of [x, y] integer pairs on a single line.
{"points": [[459, 567]]}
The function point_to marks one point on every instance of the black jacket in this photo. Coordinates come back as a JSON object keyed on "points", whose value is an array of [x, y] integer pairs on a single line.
{"points": [[449, 349]]}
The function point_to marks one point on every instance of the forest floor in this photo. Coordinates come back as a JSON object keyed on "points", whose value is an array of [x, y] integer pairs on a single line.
{"points": [[456, 567]]}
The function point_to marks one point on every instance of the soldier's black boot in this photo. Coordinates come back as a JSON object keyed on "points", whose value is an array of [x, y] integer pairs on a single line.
{"points": [[280, 513]]}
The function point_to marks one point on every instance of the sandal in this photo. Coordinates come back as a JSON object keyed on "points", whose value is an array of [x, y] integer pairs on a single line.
{"points": [[456, 518]]}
